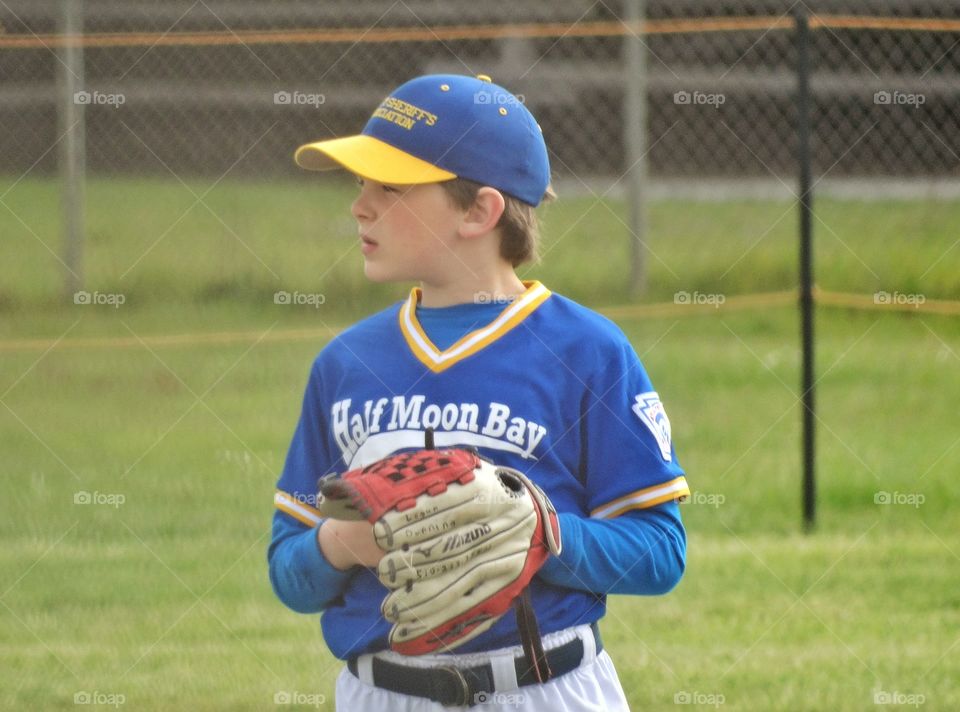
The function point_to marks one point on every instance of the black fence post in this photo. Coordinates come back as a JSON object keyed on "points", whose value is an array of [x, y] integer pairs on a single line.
{"points": [[806, 269]]}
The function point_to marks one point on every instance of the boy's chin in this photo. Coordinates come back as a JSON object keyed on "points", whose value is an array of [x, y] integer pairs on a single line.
{"points": [[381, 273]]}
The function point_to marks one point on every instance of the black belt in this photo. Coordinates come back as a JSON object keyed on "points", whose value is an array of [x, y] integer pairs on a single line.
{"points": [[456, 686]]}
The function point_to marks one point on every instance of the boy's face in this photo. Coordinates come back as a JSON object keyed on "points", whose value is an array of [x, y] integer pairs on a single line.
{"points": [[406, 231]]}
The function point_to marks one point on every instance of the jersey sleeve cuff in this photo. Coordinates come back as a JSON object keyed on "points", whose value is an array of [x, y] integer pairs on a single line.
{"points": [[561, 569], [306, 577], [300, 507], [675, 489]]}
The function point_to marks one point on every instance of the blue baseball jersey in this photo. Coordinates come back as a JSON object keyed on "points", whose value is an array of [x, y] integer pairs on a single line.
{"points": [[548, 387]]}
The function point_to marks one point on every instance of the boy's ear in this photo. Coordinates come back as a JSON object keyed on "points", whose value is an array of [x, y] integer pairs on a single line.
{"points": [[482, 217]]}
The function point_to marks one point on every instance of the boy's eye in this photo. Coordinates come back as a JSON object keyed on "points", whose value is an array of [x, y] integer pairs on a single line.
{"points": [[386, 188]]}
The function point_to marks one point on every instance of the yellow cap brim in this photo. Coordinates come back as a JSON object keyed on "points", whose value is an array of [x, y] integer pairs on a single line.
{"points": [[369, 158]]}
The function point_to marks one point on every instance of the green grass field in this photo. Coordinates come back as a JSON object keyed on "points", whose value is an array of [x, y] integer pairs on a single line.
{"points": [[155, 595]]}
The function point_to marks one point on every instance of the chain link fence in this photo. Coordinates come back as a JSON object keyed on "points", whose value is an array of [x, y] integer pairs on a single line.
{"points": [[720, 102], [213, 88]]}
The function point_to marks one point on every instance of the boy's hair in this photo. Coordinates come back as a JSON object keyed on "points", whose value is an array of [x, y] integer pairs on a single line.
{"points": [[519, 225]]}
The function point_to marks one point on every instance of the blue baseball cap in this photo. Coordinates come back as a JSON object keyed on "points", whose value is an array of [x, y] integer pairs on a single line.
{"points": [[439, 127]]}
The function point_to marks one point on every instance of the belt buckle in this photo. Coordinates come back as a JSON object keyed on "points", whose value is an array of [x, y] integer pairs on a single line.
{"points": [[464, 698]]}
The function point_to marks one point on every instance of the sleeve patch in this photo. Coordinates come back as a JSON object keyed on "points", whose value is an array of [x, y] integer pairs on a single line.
{"points": [[651, 413]]}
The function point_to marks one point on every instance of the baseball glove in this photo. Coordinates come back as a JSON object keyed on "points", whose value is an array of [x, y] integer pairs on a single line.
{"points": [[463, 539]]}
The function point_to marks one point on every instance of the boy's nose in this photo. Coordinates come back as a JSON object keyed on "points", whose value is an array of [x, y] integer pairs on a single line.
{"points": [[360, 209]]}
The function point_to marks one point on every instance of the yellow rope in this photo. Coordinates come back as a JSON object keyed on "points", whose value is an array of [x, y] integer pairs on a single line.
{"points": [[444, 33], [695, 304]]}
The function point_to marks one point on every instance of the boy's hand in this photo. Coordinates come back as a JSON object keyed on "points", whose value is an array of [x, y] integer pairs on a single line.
{"points": [[464, 538], [345, 544]]}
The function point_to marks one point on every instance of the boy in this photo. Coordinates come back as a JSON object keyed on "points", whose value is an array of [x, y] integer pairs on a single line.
{"points": [[450, 171]]}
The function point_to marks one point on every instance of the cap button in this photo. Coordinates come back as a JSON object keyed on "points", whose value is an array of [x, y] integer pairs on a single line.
{"points": [[484, 78]]}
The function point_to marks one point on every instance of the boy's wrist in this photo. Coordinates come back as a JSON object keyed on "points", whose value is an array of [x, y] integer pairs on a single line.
{"points": [[331, 547], [348, 543]]}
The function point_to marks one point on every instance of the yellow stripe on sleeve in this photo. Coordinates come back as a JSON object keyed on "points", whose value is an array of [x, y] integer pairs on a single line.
{"points": [[296, 508], [675, 489]]}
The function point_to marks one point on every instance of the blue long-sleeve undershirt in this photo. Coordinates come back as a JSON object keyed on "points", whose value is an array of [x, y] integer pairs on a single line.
{"points": [[300, 574], [640, 552]]}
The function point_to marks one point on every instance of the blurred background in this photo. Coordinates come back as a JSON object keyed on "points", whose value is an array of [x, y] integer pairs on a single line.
{"points": [[168, 274], [702, 104], [195, 100]]}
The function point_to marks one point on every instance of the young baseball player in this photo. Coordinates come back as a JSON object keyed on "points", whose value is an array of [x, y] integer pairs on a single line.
{"points": [[450, 170]]}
